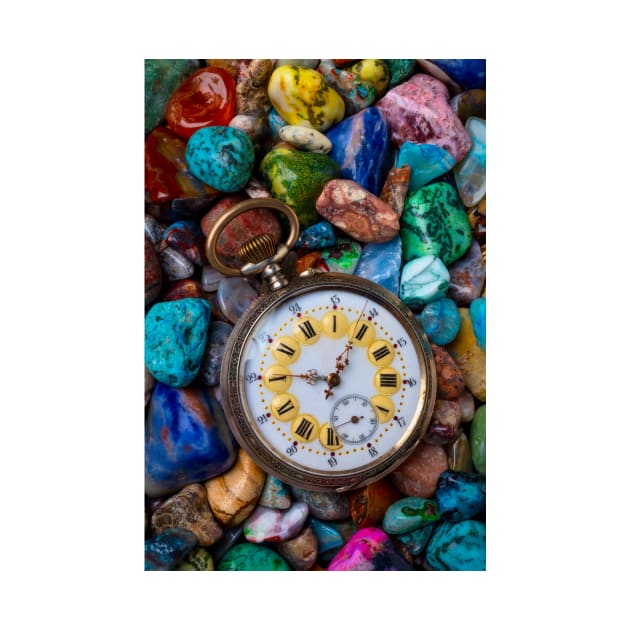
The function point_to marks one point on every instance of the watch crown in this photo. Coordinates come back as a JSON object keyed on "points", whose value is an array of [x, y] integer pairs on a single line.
{"points": [[257, 249]]}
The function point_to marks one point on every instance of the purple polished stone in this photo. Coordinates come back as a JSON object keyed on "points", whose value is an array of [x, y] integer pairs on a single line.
{"points": [[467, 276]]}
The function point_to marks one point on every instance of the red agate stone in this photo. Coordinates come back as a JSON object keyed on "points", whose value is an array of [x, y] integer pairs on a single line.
{"points": [[206, 98]]}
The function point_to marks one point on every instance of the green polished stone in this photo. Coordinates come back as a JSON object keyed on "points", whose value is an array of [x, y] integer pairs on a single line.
{"points": [[298, 178], [434, 222], [251, 557], [405, 515], [199, 559], [478, 440]]}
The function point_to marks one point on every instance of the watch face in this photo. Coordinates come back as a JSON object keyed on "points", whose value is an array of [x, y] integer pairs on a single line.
{"points": [[330, 383]]}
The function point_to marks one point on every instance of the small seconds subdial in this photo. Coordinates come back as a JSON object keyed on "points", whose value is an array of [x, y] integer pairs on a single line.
{"points": [[354, 419]]}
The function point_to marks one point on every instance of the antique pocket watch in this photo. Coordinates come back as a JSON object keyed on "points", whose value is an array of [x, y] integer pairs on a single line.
{"points": [[327, 381]]}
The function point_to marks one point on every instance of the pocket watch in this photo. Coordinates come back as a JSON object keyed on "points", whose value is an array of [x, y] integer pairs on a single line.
{"points": [[328, 381]]}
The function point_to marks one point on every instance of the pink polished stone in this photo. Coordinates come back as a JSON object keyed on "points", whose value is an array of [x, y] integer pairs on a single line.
{"points": [[418, 475], [357, 212], [418, 111], [269, 525]]}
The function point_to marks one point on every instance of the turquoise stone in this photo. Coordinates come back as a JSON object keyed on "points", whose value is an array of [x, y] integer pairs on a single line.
{"points": [[251, 557], [457, 547], [276, 122], [470, 173], [328, 538], [478, 317], [318, 236], [423, 280], [166, 550], [434, 221], [343, 257], [275, 494], [408, 514], [460, 495], [399, 70], [381, 263], [187, 439], [426, 161], [175, 340], [440, 320], [478, 440], [222, 157], [415, 541]]}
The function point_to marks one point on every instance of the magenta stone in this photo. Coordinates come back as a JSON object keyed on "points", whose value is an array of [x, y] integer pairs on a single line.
{"points": [[418, 111], [369, 549]]}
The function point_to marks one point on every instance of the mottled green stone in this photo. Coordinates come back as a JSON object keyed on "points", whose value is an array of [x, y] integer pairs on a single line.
{"points": [[251, 557], [478, 440], [405, 515], [399, 70], [161, 78], [298, 178], [199, 559], [434, 222]]}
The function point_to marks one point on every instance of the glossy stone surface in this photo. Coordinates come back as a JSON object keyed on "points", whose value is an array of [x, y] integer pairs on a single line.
{"points": [[199, 559], [426, 161], [181, 289], [418, 111], [444, 426], [210, 279], [360, 146], [369, 503], [469, 103], [418, 475], [318, 236], [298, 178], [300, 552], [302, 97], [381, 263], [342, 257], [234, 494], [467, 276], [234, 296], [175, 266], [305, 138], [186, 439], [410, 513], [356, 94], [399, 70], [175, 340], [326, 506], [457, 547], [275, 494], [218, 335], [450, 380], [458, 454], [222, 157], [478, 440], [423, 280], [370, 549], [477, 220], [469, 73], [460, 496], [251, 557], [434, 222], [372, 71], [189, 510], [206, 97], [187, 238], [415, 541], [152, 273], [166, 550], [329, 539], [470, 173], [478, 318], [440, 320], [467, 404], [269, 525], [395, 188], [256, 126], [251, 86]]}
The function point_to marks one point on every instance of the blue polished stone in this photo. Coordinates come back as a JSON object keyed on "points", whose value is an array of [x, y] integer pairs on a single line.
{"points": [[457, 547], [166, 550], [469, 73], [460, 495], [426, 161], [381, 263], [187, 439], [276, 122], [415, 541], [318, 236], [175, 335], [478, 317], [440, 320], [328, 538], [361, 147]]}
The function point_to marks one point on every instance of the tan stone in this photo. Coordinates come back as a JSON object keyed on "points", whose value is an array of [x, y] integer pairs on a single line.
{"points": [[233, 495], [300, 552], [418, 475]]}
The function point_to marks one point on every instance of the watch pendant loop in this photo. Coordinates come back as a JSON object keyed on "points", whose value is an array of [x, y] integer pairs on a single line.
{"points": [[232, 213]]}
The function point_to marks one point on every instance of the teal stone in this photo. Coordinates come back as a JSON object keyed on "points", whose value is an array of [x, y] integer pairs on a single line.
{"points": [[478, 440], [478, 317], [329, 540], [434, 221], [460, 495], [166, 550], [318, 236], [222, 157], [343, 257], [252, 557], [161, 78], [423, 280], [470, 173], [275, 494], [407, 514], [440, 320], [426, 161], [175, 335], [415, 541], [399, 70], [457, 547]]}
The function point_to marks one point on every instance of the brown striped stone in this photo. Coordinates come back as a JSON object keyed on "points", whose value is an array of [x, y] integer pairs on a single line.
{"points": [[233, 495], [395, 188]]}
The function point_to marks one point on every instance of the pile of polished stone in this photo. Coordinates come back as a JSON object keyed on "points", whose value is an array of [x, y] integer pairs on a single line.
{"points": [[406, 138]]}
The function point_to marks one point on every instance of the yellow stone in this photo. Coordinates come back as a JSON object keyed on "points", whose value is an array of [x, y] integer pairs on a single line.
{"points": [[469, 357], [373, 71], [233, 495], [302, 97]]}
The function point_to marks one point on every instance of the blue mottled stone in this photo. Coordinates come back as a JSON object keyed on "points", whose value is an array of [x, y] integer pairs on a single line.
{"points": [[175, 340], [318, 236], [361, 147], [276, 122], [381, 263], [166, 550], [327, 506], [409, 513], [426, 161], [186, 439], [469, 73], [423, 280], [416, 540], [478, 317], [460, 495], [329, 540], [440, 320], [275, 494], [218, 334], [457, 547], [222, 157]]}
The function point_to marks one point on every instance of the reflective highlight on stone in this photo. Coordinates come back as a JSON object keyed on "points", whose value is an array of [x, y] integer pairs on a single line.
{"points": [[166, 550], [426, 161], [234, 296], [440, 320], [381, 263], [458, 454], [175, 266], [251, 557], [457, 547], [329, 540], [423, 280]]}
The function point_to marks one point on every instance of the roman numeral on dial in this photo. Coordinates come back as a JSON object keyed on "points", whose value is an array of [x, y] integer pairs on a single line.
{"points": [[305, 428]]}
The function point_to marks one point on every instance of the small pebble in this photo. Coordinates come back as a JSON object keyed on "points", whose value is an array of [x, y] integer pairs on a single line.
{"points": [[450, 380], [356, 94], [181, 289], [467, 404], [300, 552], [329, 540], [175, 266], [458, 454], [343, 256], [305, 138], [218, 335], [369, 503], [470, 173], [415, 541], [444, 426], [467, 276], [199, 559], [395, 188], [478, 317], [318, 236]]}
